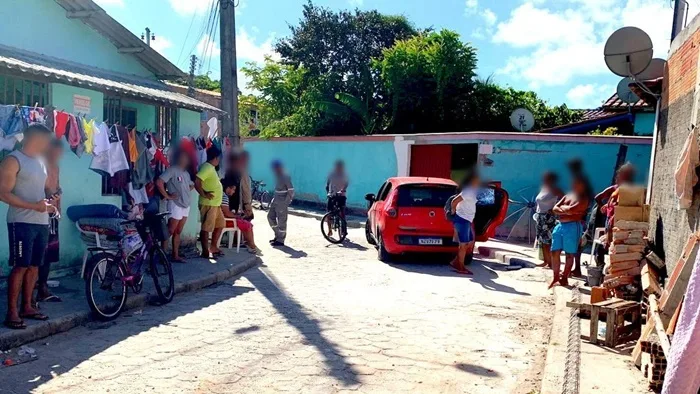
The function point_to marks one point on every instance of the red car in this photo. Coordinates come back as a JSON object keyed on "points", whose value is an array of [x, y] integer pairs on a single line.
{"points": [[407, 215]]}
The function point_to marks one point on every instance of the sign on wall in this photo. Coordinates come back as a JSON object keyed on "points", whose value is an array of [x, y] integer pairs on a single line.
{"points": [[81, 104]]}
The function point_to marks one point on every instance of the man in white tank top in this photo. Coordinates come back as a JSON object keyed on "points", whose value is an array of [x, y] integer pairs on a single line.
{"points": [[22, 183]]}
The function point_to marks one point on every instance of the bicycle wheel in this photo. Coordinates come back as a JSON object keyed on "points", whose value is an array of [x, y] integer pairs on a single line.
{"points": [[105, 289], [332, 228], [162, 273], [264, 201]]}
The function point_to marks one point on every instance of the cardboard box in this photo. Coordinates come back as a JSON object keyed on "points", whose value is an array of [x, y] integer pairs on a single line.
{"points": [[631, 196], [632, 214]]}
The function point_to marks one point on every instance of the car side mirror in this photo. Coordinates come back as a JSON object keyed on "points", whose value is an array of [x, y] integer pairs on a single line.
{"points": [[370, 197]]}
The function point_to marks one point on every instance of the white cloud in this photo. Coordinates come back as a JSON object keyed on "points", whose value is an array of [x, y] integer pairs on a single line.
{"points": [[110, 3], [189, 7], [588, 95], [555, 45], [207, 47], [356, 3], [471, 6], [247, 49], [489, 17], [160, 44]]}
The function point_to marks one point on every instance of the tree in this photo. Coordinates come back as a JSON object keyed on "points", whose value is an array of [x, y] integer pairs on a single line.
{"points": [[429, 78]]}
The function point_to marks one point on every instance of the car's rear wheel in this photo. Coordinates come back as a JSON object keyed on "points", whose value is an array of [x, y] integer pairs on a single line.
{"points": [[368, 234], [382, 253]]}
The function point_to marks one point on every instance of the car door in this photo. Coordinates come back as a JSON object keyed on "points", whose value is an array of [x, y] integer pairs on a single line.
{"points": [[491, 210], [372, 213]]}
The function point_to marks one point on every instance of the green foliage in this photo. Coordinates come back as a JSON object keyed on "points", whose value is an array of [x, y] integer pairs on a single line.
{"points": [[361, 72], [607, 131]]}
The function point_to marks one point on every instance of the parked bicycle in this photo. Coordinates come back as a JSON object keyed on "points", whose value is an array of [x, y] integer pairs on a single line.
{"points": [[112, 272], [260, 194], [333, 224]]}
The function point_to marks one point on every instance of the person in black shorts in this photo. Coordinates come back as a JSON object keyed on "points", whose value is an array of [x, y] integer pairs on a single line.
{"points": [[23, 176]]}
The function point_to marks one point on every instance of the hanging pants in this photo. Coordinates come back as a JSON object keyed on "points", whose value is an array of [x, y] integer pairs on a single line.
{"points": [[277, 217]]}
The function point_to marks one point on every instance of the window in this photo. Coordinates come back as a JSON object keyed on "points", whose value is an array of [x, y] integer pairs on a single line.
{"points": [[384, 192], [23, 92], [425, 196], [166, 125]]}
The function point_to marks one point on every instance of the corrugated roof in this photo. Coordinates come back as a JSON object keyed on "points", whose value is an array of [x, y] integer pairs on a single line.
{"points": [[615, 103], [126, 42], [57, 70]]}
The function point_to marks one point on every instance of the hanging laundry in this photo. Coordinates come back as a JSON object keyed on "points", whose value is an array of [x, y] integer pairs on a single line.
{"points": [[100, 141], [139, 196], [11, 121], [125, 138], [133, 152], [113, 159], [8, 143], [89, 128], [142, 172], [60, 123], [151, 145], [160, 158], [78, 150], [49, 117], [685, 177], [33, 115], [201, 145], [72, 133], [213, 125]]}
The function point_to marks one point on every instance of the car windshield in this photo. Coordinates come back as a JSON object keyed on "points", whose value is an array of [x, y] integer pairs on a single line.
{"points": [[432, 196]]}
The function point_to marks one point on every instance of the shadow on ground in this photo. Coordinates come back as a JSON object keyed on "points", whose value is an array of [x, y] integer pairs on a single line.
{"points": [[295, 314], [28, 377]]}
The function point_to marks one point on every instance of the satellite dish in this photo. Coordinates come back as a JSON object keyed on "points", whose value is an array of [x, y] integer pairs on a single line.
{"points": [[625, 93], [522, 119], [628, 51], [654, 71]]}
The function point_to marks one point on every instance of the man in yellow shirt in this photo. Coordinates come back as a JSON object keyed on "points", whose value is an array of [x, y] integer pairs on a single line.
{"points": [[210, 192]]}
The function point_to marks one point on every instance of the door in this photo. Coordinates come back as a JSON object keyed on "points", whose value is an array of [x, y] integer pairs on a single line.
{"points": [[431, 161], [372, 213]]}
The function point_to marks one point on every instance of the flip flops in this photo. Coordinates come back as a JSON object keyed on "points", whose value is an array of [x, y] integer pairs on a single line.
{"points": [[35, 316], [15, 325], [51, 298]]}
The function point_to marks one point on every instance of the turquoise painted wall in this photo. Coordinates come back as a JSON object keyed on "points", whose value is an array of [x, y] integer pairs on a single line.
{"points": [[368, 164], [644, 123], [62, 99], [41, 26], [188, 122], [145, 114]]}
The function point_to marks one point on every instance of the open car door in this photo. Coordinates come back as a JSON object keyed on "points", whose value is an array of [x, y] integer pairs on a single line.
{"points": [[491, 210]]}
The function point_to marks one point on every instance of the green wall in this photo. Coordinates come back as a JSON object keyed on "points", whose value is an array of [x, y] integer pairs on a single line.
{"points": [[145, 114]]}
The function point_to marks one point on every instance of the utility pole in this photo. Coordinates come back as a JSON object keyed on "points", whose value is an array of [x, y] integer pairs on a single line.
{"points": [[148, 37], [680, 10], [229, 76], [190, 80]]}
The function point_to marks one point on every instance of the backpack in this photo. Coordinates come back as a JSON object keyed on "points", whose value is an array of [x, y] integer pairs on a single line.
{"points": [[448, 208]]}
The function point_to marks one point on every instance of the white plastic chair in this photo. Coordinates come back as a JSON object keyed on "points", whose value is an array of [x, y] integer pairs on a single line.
{"points": [[91, 240], [233, 231]]}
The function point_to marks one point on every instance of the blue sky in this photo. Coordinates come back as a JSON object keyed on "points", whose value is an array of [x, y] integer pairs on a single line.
{"points": [[554, 47]]}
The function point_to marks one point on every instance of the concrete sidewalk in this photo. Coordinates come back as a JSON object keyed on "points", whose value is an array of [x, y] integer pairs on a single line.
{"points": [[353, 221], [196, 274]]}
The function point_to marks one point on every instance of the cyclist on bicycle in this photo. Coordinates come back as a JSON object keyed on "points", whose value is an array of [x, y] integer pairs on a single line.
{"points": [[336, 187]]}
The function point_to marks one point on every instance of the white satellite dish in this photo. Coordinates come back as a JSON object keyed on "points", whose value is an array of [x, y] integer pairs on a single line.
{"points": [[654, 71], [628, 51], [522, 119], [625, 93]]}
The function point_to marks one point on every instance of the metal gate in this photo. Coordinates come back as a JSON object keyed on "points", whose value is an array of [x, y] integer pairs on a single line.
{"points": [[431, 161]]}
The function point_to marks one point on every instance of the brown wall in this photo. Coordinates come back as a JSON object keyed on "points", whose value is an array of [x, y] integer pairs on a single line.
{"points": [[213, 99], [671, 227]]}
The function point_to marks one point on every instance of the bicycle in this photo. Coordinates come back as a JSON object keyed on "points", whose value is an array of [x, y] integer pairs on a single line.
{"points": [[334, 220], [114, 271], [260, 194]]}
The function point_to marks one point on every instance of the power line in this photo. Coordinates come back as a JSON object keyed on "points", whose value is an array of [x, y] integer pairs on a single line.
{"points": [[182, 48]]}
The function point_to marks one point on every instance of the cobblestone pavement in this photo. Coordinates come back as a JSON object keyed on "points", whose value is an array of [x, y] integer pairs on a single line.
{"points": [[314, 318]]}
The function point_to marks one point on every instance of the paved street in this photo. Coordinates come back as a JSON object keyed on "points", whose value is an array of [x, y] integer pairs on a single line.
{"points": [[314, 318]]}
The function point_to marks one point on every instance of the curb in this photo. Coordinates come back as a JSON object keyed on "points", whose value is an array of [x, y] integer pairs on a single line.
{"points": [[352, 222], [507, 257], [35, 332]]}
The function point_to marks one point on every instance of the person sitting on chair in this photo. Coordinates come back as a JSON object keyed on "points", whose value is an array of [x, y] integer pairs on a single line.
{"points": [[246, 227]]}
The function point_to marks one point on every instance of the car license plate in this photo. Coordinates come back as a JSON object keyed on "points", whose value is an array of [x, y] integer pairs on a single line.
{"points": [[429, 241]]}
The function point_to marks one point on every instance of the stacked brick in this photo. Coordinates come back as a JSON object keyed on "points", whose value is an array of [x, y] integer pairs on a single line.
{"points": [[629, 241], [653, 363]]}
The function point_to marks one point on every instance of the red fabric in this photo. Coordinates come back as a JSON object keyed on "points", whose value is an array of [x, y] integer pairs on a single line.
{"points": [[73, 134], [61, 121], [160, 158]]}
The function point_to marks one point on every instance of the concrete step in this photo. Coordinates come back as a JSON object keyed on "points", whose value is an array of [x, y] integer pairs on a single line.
{"points": [[507, 257]]}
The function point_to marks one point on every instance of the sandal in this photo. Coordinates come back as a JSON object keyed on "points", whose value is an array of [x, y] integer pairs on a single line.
{"points": [[219, 254], [51, 298], [465, 272], [15, 325], [35, 316]]}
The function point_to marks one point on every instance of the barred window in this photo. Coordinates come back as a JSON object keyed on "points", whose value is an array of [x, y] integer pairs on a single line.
{"points": [[166, 125], [23, 92]]}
